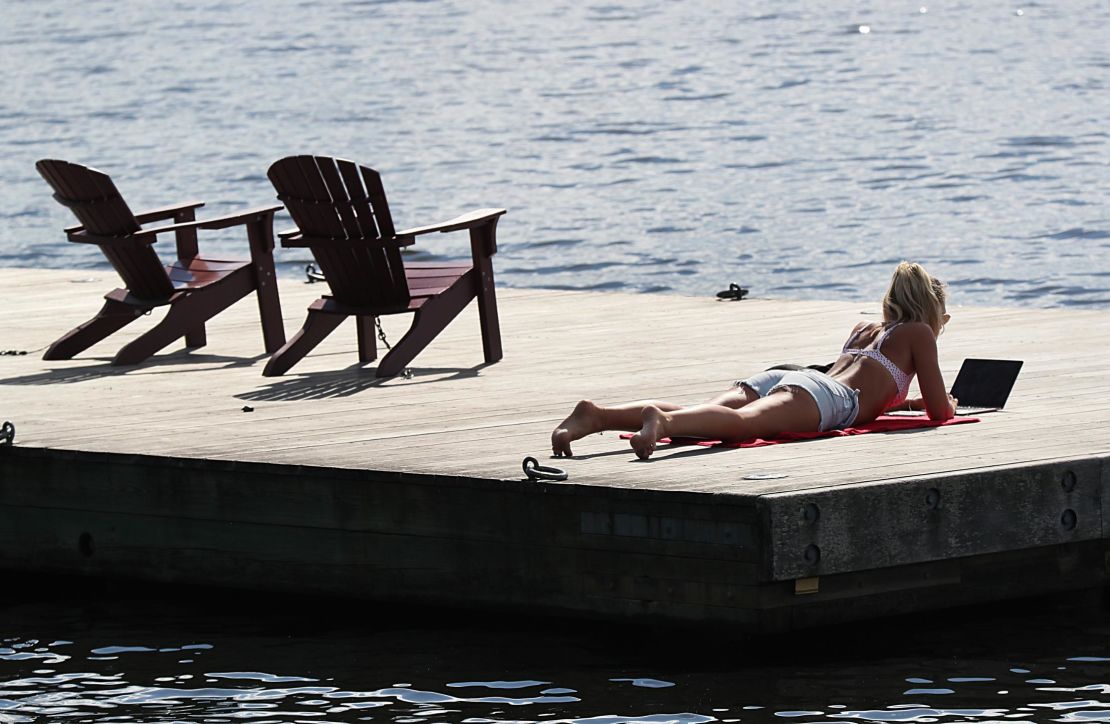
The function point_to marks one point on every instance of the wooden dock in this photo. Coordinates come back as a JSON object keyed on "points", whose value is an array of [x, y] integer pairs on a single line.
{"points": [[411, 489]]}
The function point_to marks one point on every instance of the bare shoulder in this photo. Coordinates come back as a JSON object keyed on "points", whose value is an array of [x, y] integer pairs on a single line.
{"points": [[915, 331], [918, 336], [867, 328], [861, 333]]}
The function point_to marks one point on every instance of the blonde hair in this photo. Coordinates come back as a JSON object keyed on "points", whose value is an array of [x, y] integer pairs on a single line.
{"points": [[915, 296]]}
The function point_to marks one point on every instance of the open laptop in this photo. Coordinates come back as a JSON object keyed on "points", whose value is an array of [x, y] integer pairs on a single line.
{"points": [[982, 385]]}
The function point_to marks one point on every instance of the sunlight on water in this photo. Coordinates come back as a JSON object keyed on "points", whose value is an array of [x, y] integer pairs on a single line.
{"points": [[176, 662], [795, 148], [283, 697]]}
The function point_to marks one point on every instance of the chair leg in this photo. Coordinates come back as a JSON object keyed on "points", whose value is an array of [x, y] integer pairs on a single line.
{"points": [[261, 238], [316, 327], [178, 323], [483, 244], [367, 343], [111, 317], [269, 310], [186, 315], [487, 311], [196, 337], [429, 321]]}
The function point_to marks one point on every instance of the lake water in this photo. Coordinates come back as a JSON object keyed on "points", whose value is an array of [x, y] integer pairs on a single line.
{"points": [[131, 656], [796, 148]]}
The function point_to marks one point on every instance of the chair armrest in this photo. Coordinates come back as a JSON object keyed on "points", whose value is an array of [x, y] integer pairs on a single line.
{"points": [[149, 236], [294, 239], [166, 212], [466, 221], [78, 234], [218, 222]]}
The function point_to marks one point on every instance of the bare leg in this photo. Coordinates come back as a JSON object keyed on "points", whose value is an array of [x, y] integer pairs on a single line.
{"points": [[736, 397], [588, 418], [781, 411]]}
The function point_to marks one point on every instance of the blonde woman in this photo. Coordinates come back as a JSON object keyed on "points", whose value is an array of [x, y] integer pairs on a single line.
{"points": [[872, 375]]}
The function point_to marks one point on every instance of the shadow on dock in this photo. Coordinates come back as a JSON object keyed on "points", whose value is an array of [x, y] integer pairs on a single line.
{"points": [[351, 381], [162, 364]]}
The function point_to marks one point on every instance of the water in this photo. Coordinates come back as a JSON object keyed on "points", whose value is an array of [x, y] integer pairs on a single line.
{"points": [[136, 657], [797, 148]]}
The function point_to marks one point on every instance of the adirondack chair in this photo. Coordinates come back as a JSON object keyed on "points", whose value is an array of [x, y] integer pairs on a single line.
{"points": [[195, 288], [342, 216]]}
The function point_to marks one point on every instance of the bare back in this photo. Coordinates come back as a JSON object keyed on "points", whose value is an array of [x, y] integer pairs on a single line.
{"points": [[910, 346]]}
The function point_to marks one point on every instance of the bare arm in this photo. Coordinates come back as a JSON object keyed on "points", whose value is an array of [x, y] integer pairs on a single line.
{"points": [[910, 403], [917, 404], [938, 404]]}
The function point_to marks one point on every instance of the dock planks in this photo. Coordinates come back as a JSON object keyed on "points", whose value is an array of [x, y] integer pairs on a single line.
{"points": [[451, 439]]}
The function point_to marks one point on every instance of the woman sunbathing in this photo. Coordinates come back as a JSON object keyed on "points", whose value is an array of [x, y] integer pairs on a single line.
{"points": [[872, 375]]}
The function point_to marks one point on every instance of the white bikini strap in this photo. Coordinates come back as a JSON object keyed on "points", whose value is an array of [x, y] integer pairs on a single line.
{"points": [[853, 338], [885, 334]]}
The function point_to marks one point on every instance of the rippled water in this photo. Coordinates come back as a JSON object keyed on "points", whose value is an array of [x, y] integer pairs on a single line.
{"points": [[798, 148], [148, 659]]}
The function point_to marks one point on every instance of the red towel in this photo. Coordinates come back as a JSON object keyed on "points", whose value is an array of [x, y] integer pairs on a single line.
{"points": [[883, 423]]}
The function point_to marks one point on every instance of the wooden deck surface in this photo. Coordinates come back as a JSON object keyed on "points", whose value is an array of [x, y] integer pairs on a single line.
{"points": [[457, 417]]}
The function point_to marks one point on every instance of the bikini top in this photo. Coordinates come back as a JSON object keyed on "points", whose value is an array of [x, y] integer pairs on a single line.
{"points": [[901, 379]]}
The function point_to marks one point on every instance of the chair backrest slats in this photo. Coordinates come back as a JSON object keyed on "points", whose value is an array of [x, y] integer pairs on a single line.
{"points": [[332, 198], [292, 181], [91, 196], [334, 172], [384, 282], [338, 263], [356, 225], [376, 193], [99, 207]]}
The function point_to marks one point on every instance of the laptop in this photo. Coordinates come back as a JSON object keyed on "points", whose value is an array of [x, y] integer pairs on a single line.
{"points": [[982, 385]]}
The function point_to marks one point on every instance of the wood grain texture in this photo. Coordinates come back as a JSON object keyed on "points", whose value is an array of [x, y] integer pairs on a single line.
{"points": [[410, 489], [457, 416]]}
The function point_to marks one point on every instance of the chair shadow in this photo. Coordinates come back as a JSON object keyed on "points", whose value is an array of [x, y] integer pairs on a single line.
{"points": [[351, 381], [103, 367]]}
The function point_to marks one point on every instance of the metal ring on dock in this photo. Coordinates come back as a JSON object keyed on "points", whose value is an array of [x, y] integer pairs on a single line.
{"points": [[535, 471], [734, 292], [7, 433], [312, 275]]}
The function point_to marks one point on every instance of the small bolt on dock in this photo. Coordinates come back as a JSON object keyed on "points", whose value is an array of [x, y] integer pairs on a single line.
{"points": [[194, 468]]}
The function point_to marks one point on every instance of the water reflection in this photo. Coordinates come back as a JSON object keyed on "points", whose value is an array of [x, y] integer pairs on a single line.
{"points": [[139, 656], [746, 139]]}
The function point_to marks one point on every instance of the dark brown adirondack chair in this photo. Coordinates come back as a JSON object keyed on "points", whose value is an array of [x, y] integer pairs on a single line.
{"points": [[343, 218], [195, 288]]}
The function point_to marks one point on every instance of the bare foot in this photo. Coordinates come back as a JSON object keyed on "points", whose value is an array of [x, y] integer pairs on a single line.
{"points": [[581, 422], [643, 442]]}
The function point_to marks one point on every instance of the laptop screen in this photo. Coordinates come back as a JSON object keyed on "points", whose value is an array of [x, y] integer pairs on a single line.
{"points": [[985, 382]]}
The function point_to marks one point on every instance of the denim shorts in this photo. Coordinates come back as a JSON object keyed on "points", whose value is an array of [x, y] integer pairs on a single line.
{"points": [[837, 403]]}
